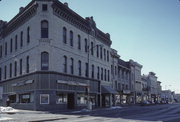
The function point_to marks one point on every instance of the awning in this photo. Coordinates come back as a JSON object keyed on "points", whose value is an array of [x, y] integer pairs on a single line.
{"points": [[107, 90]]}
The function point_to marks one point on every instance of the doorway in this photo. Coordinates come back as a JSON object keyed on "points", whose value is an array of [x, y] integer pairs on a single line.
{"points": [[70, 101]]}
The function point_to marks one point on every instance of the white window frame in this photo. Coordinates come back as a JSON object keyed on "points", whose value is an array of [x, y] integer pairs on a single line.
{"points": [[45, 95]]}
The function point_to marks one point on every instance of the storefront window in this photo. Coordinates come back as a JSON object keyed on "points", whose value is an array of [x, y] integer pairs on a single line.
{"points": [[107, 100], [24, 98], [12, 98], [44, 98], [61, 98], [81, 99]]}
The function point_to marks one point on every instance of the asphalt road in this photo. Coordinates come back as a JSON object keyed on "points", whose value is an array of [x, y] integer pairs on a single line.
{"points": [[165, 113]]}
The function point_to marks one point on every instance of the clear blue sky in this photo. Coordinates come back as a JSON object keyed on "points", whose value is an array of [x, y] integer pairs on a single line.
{"points": [[147, 31]]}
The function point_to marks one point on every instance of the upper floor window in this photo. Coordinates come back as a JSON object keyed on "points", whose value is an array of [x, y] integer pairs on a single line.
{"points": [[10, 70], [11, 45], [15, 68], [101, 73], [65, 64], [98, 72], [92, 50], [28, 34], [44, 29], [72, 66], [79, 42], [104, 54], [97, 50], [92, 74], [21, 42], [108, 76], [85, 45], [27, 64], [6, 48], [87, 70], [20, 67], [107, 55], [44, 7], [79, 67], [64, 35], [5, 69], [16, 42], [44, 61], [71, 38], [101, 53]]}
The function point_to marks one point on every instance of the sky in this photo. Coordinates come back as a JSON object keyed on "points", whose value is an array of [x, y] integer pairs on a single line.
{"points": [[147, 31]]}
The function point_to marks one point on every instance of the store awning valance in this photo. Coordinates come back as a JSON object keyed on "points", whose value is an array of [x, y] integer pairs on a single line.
{"points": [[107, 90]]}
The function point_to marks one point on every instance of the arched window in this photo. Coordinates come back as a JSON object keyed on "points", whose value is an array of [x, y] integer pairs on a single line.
{"points": [[65, 64], [64, 35], [44, 61], [79, 42], [44, 29]]}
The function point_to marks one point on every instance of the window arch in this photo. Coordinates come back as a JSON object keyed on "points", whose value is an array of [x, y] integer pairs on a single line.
{"points": [[64, 35], [44, 61], [44, 29]]}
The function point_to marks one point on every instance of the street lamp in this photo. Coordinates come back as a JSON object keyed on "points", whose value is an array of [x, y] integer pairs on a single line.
{"points": [[88, 88]]}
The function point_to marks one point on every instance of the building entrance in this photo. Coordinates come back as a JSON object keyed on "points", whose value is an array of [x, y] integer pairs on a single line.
{"points": [[70, 101]]}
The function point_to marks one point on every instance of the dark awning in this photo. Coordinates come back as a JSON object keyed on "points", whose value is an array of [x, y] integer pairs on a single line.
{"points": [[107, 90]]}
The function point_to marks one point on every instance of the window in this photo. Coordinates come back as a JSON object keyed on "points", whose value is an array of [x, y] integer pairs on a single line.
{"points": [[98, 72], [79, 65], [101, 52], [108, 76], [27, 64], [15, 68], [65, 64], [11, 45], [71, 38], [21, 43], [44, 61], [24, 98], [92, 46], [97, 50], [0, 73], [86, 45], [72, 66], [1, 52], [107, 55], [64, 35], [81, 99], [79, 42], [86, 70], [61, 98], [10, 70], [101, 73], [105, 74], [12, 98], [44, 29], [44, 98], [92, 74], [44, 7], [6, 48], [5, 69], [112, 70], [115, 70], [28, 35], [104, 54], [16, 43], [20, 67]]}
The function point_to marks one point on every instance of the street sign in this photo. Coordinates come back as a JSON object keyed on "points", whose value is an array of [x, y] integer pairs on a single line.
{"points": [[1, 93]]}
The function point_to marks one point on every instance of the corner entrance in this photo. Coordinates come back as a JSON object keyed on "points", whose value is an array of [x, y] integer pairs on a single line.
{"points": [[70, 101]]}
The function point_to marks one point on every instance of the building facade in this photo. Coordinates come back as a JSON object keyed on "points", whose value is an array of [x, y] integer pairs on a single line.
{"points": [[52, 58]]}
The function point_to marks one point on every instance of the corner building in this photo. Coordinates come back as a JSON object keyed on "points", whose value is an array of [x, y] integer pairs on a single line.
{"points": [[53, 59]]}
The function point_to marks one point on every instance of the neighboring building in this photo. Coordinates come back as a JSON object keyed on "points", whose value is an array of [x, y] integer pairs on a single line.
{"points": [[145, 88], [167, 96], [52, 58], [177, 98], [136, 83], [159, 89]]}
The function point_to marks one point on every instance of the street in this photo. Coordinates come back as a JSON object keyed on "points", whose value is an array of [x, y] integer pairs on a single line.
{"points": [[166, 112]]}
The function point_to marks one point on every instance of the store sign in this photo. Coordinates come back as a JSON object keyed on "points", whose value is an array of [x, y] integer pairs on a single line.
{"points": [[1, 92]]}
